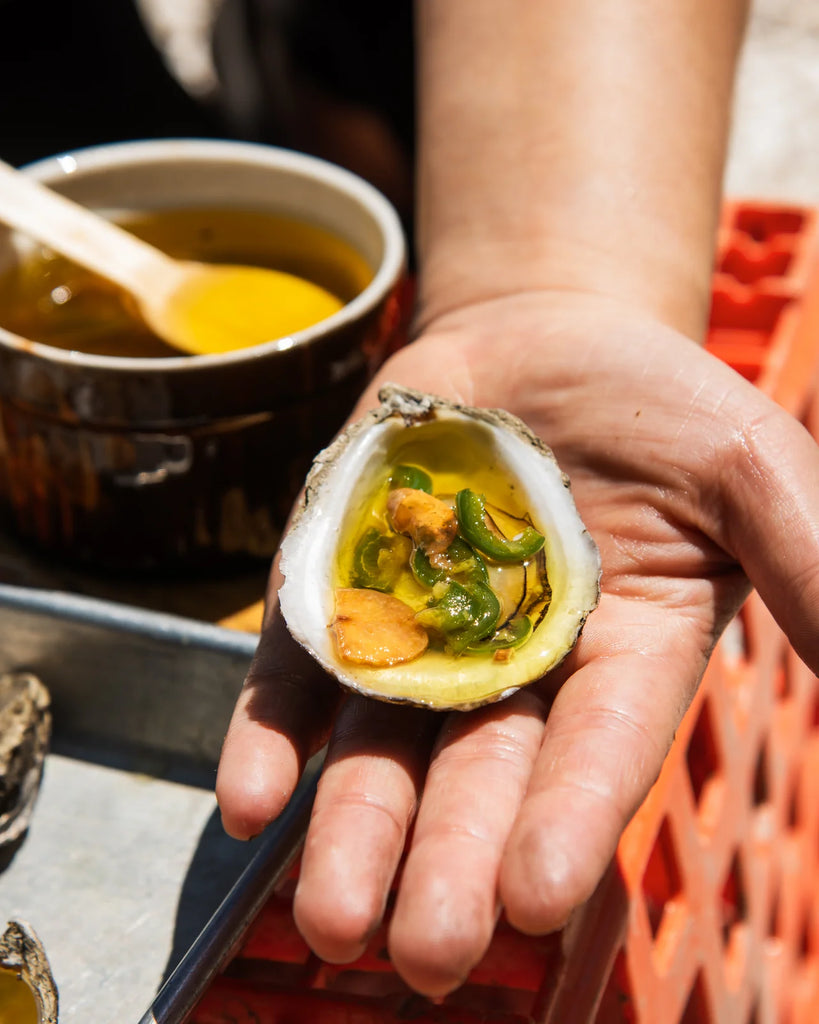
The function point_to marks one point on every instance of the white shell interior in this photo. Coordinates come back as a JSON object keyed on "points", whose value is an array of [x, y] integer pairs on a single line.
{"points": [[436, 679]]}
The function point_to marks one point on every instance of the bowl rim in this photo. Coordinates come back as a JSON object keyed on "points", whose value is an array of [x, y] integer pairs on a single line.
{"points": [[157, 151]]}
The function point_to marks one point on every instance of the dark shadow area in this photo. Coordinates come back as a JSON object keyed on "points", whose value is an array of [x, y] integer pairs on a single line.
{"points": [[8, 851], [86, 73], [216, 864], [143, 759], [334, 80], [306, 74]]}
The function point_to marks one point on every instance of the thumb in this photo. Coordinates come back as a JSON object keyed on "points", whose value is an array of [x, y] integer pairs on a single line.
{"points": [[770, 489]]}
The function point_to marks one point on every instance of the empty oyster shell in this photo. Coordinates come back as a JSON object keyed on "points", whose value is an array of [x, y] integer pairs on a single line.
{"points": [[497, 607]]}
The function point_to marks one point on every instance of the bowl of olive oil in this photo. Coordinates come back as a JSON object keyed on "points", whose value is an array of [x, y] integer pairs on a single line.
{"points": [[117, 450]]}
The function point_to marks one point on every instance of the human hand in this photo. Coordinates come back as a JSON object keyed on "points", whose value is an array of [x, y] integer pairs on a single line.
{"points": [[692, 483]]}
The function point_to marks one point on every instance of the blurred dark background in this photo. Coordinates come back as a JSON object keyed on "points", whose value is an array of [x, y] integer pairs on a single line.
{"points": [[326, 78], [85, 72]]}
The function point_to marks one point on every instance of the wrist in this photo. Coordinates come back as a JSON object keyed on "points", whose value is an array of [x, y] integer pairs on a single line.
{"points": [[573, 146], [664, 281]]}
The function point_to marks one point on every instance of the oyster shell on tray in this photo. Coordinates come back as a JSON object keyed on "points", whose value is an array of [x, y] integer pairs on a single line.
{"points": [[437, 556]]}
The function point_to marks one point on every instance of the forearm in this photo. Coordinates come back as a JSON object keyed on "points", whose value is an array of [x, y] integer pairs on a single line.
{"points": [[573, 144]]}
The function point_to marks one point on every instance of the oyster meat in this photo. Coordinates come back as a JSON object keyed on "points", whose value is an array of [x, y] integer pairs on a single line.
{"points": [[437, 557]]}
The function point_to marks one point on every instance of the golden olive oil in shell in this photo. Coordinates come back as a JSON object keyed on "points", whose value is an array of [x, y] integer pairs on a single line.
{"points": [[453, 463]]}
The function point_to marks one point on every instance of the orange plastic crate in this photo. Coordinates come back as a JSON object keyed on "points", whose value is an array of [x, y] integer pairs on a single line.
{"points": [[710, 912]]}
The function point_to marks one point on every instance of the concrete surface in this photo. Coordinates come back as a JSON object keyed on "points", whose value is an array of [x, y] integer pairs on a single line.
{"points": [[775, 143], [118, 874]]}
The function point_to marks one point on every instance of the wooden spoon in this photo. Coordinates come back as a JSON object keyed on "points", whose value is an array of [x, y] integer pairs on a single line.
{"points": [[197, 308]]}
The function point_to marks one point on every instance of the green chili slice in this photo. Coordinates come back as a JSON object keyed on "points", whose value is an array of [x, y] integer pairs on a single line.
{"points": [[376, 561], [471, 508], [453, 611], [465, 564], [424, 571], [486, 610], [514, 633], [411, 476], [463, 614]]}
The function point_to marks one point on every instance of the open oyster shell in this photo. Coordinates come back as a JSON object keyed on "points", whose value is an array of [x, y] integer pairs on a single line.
{"points": [[461, 447]]}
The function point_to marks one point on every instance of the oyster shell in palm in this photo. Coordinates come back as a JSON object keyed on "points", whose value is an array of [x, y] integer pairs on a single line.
{"points": [[437, 556]]}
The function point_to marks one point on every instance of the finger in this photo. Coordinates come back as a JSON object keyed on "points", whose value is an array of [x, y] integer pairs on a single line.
{"points": [[608, 731], [282, 716], [446, 907], [770, 484], [364, 806]]}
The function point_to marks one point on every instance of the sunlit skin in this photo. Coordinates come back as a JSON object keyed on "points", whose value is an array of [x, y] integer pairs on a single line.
{"points": [[575, 299]]}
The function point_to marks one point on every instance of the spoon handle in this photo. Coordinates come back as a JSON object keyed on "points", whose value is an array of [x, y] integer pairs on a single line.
{"points": [[76, 232]]}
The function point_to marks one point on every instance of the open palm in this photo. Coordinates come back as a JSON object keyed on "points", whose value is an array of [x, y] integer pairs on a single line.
{"points": [[693, 484]]}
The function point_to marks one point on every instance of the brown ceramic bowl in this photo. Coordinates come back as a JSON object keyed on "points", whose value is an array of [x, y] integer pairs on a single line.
{"points": [[143, 463]]}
